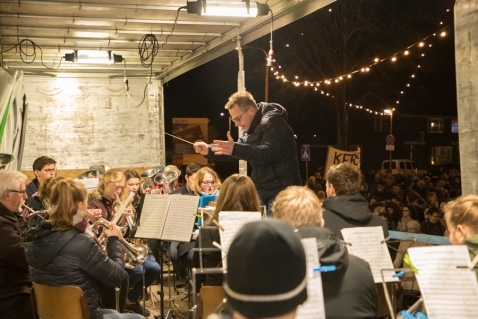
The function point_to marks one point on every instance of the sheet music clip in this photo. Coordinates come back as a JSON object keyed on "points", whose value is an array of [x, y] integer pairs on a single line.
{"points": [[407, 315], [386, 239], [473, 263], [345, 243]]}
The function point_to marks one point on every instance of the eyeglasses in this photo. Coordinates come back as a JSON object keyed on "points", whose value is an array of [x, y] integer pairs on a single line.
{"points": [[208, 182], [19, 192], [238, 119]]}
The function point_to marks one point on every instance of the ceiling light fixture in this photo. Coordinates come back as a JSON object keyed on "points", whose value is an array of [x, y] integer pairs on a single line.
{"points": [[93, 57], [228, 9]]}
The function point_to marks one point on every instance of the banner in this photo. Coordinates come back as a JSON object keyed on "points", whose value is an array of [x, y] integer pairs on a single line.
{"points": [[336, 156], [193, 130]]}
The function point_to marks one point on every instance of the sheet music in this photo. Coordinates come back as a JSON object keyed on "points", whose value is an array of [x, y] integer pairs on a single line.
{"points": [[232, 222], [367, 244], [314, 307], [180, 219], [153, 216], [90, 183], [448, 292]]}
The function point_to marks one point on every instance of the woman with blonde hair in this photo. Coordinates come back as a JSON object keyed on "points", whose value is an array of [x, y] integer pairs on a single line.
{"points": [[63, 252], [238, 194], [206, 182]]}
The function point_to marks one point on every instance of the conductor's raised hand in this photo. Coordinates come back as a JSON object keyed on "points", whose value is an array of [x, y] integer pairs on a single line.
{"points": [[223, 147], [201, 148]]}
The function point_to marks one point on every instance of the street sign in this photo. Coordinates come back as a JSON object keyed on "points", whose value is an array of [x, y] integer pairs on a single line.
{"points": [[305, 154], [390, 140], [390, 147]]}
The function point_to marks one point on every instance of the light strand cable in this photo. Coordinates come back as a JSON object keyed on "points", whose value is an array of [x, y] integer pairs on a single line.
{"points": [[24, 55]]}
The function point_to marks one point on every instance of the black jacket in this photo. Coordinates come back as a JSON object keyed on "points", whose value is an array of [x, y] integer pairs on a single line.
{"points": [[32, 187], [269, 146], [14, 279], [71, 258], [349, 291], [347, 211]]}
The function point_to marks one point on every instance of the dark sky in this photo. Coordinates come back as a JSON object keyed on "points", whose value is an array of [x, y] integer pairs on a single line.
{"points": [[203, 91]]}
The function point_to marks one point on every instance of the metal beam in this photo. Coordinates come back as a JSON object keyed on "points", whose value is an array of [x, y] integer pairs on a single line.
{"points": [[80, 5], [114, 31], [122, 20]]}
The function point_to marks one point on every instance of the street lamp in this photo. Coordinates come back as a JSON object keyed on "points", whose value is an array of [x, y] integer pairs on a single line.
{"points": [[390, 112]]}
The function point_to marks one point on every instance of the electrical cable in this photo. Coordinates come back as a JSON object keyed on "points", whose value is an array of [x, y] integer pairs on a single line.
{"points": [[271, 51], [24, 55], [148, 48]]}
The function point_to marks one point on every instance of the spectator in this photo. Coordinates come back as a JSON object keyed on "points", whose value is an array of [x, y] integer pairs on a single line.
{"points": [[433, 225]]}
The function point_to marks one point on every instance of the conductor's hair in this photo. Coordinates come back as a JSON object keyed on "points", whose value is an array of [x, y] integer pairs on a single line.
{"points": [[242, 99], [298, 206], [345, 178], [463, 211], [65, 196]]}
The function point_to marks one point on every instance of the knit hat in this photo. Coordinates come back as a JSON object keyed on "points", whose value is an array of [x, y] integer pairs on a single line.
{"points": [[266, 275], [413, 224]]}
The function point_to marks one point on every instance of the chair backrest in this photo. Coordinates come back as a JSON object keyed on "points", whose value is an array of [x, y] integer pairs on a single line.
{"points": [[211, 298], [59, 302]]}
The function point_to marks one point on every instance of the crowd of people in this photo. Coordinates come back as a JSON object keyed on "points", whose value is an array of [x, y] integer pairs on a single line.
{"points": [[74, 242]]}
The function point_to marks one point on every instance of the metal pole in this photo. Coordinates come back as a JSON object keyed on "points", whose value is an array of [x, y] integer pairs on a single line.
{"points": [[266, 98], [391, 133]]}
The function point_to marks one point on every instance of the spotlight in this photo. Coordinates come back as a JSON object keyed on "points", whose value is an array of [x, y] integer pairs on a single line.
{"points": [[227, 9]]}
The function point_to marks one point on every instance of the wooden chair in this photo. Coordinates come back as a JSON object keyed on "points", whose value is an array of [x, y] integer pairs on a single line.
{"points": [[210, 297], [58, 302]]}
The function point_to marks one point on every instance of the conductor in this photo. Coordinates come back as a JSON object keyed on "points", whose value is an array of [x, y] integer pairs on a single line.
{"points": [[267, 142]]}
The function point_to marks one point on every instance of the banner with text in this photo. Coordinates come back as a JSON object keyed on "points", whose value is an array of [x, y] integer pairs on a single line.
{"points": [[336, 156]]}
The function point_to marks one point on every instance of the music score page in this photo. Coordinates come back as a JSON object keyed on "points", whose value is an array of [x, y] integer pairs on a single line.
{"points": [[448, 291], [232, 222], [314, 307], [368, 243]]}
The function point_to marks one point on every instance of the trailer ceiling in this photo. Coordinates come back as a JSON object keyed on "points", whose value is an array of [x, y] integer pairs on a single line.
{"points": [[59, 27]]}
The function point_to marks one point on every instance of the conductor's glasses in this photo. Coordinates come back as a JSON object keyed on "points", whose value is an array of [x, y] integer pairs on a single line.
{"points": [[208, 182], [238, 119]]}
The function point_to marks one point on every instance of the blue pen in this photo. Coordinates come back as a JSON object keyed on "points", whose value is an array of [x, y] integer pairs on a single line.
{"points": [[398, 274], [325, 268]]}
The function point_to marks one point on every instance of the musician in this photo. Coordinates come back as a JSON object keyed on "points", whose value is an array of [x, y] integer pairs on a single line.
{"points": [[66, 243], [461, 216], [238, 193], [266, 279], [100, 168], [268, 143], [14, 279], [349, 291], [106, 198], [43, 167], [188, 188], [206, 182], [134, 185]]}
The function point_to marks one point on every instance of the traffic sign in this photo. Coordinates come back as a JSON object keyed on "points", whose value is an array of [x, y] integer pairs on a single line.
{"points": [[305, 154], [390, 147], [390, 140]]}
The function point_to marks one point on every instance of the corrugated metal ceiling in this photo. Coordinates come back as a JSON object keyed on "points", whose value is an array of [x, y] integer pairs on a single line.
{"points": [[59, 27]]}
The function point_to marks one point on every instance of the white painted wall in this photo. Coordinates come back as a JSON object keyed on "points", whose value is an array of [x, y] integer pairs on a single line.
{"points": [[79, 121]]}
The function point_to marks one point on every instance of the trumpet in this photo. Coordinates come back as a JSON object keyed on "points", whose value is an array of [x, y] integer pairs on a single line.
{"points": [[134, 256]]}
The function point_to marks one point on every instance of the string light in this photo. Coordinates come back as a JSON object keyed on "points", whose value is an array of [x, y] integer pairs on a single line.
{"points": [[406, 52]]}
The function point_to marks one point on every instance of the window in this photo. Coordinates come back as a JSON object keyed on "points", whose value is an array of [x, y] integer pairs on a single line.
{"points": [[435, 125], [382, 124], [454, 126]]}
